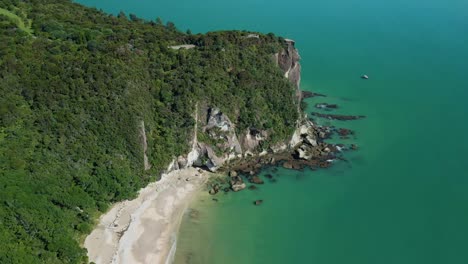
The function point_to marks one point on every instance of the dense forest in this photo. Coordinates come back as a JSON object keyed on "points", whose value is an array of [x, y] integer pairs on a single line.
{"points": [[75, 84]]}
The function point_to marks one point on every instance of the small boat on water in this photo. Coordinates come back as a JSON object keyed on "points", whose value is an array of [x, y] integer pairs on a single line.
{"points": [[364, 77]]}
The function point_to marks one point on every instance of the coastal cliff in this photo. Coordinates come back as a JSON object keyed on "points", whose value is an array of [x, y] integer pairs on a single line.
{"points": [[221, 143]]}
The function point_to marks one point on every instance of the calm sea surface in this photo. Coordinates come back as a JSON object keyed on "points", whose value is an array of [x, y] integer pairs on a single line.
{"points": [[403, 197]]}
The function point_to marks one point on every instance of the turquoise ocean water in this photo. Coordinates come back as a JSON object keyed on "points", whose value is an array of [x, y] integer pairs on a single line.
{"points": [[403, 197]]}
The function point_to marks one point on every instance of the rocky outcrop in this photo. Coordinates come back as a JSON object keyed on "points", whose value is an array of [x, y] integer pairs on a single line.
{"points": [[305, 132], [220, 141], [221, 146]]}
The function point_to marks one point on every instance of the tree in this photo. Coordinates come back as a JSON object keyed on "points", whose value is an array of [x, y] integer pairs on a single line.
{"points": [[122, 15], [159, 21], [171, 26]]}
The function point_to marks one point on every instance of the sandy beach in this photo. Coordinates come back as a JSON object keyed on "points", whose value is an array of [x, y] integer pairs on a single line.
{"points": [[144, 230]]}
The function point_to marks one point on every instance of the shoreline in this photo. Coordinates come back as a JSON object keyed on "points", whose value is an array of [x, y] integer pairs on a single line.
{"points": [[145, 229]]}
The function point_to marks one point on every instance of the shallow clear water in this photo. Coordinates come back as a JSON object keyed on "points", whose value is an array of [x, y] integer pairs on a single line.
{"points": [[402, 198]]}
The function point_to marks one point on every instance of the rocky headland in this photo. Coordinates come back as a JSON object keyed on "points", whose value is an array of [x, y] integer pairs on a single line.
{"points": [[216, 146]]}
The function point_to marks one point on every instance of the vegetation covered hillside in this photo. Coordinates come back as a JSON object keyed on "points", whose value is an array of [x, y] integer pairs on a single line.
{"points": [[75, 84]]}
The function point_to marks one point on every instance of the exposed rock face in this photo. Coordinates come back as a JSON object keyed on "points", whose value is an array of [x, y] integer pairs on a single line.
{"points": [[288, 61], [252, 139], [219, 126], [144, 143], [219, 129]]}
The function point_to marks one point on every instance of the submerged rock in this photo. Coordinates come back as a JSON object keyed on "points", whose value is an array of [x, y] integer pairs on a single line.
{"points": [[253, 187], [345, 132], [255, 179], [307, 94], [258, 202], [338, 117], [326, 106]]}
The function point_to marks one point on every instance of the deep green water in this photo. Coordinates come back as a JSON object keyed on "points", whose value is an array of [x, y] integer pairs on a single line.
{"points": [[402, 198]]}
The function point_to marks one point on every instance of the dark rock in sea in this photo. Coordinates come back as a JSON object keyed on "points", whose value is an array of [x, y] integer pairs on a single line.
{"points": [[338, 117], [354, 147], [307, 94], [255, 179], [344, 132], [226, 189], [258, 202], [214, 199], [253, 187], [269, 176], [324, 164], [326, 106], [298, 166], [324, 132], [237, 184]]}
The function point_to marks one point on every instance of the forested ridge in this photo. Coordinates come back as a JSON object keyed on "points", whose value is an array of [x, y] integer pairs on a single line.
{"points": [[75, 83]]}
